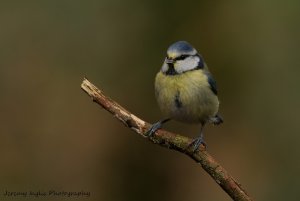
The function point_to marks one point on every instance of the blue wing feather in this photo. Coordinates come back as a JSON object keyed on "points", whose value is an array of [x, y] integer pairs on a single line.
{"points": [[212, 83]]}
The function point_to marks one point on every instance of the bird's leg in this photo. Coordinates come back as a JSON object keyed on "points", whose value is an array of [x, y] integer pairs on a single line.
{"points": [[155, 127], [199, 140]]}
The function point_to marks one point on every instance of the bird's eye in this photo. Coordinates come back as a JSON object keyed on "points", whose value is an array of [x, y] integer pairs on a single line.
{"points": [[182, 57]]}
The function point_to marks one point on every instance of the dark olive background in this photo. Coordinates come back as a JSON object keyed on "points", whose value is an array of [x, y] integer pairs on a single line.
{"points": [[53, 137]]}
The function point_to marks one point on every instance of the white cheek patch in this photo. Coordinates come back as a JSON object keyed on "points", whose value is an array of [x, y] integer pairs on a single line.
{"points": [[164, 68], [187, 64]]}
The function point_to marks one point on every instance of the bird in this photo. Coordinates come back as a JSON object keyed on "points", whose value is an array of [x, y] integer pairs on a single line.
{"points": [[186, 91]]}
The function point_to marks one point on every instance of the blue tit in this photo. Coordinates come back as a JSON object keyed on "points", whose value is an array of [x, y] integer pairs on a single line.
{"points": [[185, 90]]}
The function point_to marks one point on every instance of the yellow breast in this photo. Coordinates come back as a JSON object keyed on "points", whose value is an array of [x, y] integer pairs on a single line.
{"points": [[186, 97]]}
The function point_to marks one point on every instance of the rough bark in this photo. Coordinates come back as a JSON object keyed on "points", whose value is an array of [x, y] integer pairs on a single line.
{"points": [[169, 140]]}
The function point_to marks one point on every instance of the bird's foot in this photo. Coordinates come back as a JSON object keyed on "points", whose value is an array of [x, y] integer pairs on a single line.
{"points": [[197, 142], [153, 129]]}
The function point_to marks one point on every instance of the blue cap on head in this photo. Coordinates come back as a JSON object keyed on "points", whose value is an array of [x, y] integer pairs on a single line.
{"points": [[181, 47]]}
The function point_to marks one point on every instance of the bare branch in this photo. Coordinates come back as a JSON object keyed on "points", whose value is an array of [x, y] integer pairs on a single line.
{"points": [[171, 141]]}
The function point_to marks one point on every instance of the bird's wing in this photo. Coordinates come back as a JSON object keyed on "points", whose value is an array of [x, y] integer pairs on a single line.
{"points": [[212, 83]]}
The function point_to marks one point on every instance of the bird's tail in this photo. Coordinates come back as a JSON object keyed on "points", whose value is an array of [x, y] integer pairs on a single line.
{"points": [[216, 120]]}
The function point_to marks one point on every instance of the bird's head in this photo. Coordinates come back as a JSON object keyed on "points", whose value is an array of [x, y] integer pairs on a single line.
{"points": [[181, 57]]}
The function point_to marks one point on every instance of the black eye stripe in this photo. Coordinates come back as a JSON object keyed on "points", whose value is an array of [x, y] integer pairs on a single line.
{"points": [[182, 57]]}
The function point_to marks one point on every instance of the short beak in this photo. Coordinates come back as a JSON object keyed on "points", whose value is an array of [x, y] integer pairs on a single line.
{"points": [[169, 61]]}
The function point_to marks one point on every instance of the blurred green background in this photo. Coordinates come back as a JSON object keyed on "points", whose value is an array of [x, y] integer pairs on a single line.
{"points": [[54, 137]]}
